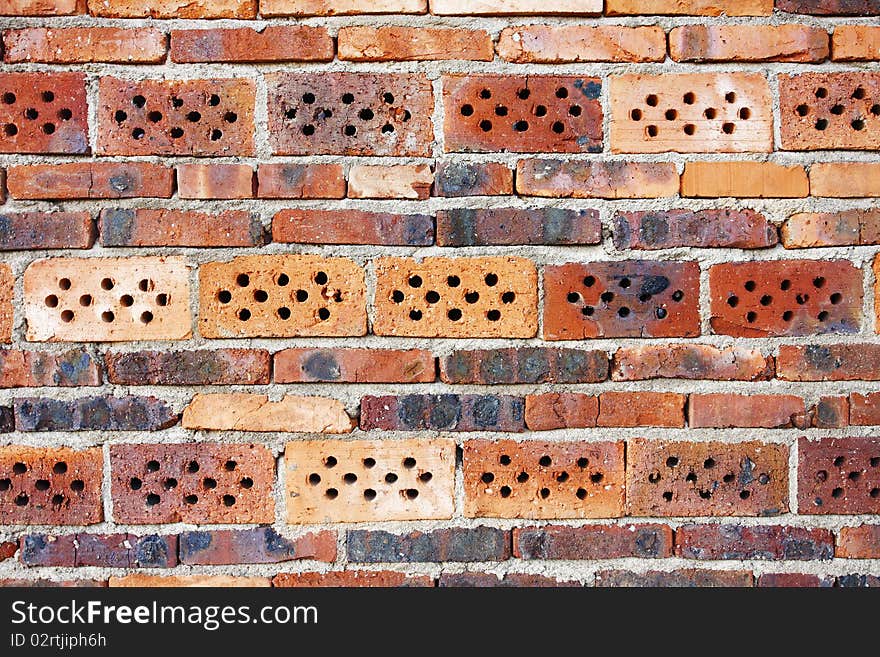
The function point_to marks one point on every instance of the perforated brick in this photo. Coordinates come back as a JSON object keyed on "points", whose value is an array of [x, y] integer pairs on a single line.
{"points": [[281, 296], [456, 297], [43, 113], [706, 478], [830, 111], [43, 486], [107, 299], [785, 297], [195, 483], [636, 298], [691, 113], [176, 117], [508, 479], [525, 114], [839, 475], [350, 114], [369, 480]]}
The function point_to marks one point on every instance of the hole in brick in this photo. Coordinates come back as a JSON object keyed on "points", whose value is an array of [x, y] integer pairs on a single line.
{"points": [[504, 459], [155, 117], [508, 297], [152, 466], [751, 317], [839, 461], [821, 124], [331, 493], [85, 300], [209, 483], [802, 110], [432, 297], [321, 278], [823, 316], [607, 297], [228, 500], [21, 468], [822, 475], [859, 93], [135, 484], [472, 297], [837, 110], [323, 314], [745, 113], [730, 97], [575, 110], [425, 477], [22, 499], [677, 296], [690, 129], [763, 479], [583, 462], [636, 115], [652, 131], [9, 98], [230, 117], [802, 299], [785, 285], [858, 124], [573, 297], [581, 494], [454, 314], [671, 115], [387, 128], [692, 478], [223, 296], [246, 483], [58, 499], [64, 283], [5, 484], [672, 461], [875, 493], [493, 315], [77, 485], [652, 100], [837, 492], [314, 479], [521, 126], [667, 496], [153, 499], [369, 494], [415, 315], [453, 281], [787, 316], [67, 316], [505, 491], [193, 117], [836, 298], [597, 477], [161, 300], [875, 110], [216, 135], [491, 280], [766, 300], [540, 111], [138, 101], [31, 114], [51, 301], [388, 98], [710, 113], [689, 98], [409, 463], [728, 128], [177, 102], [522, 477], [558, 127], [48, 128], [308, 130], [366, 114], [854, 476], [411, 493], [107, 316], [260, 296], [176, 133], [10, 129], [348, 99], [42, 484], [230, 465], [330, 462], [562, 477], [302, 296], [588, 311], [875, 461], [821, 92], [522, 94], [146, 317], [545, 461], [349, 131], [623, 311], [309, 98], [545, 493], [191, 499], [486, 125], [192, 467]]}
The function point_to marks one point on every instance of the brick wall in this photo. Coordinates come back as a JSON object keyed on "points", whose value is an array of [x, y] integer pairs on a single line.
{"points": [[349, 292]]}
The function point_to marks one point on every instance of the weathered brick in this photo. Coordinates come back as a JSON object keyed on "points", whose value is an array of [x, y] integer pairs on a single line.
{"points": [[690, 7], [369, 480], [76, 45], [761, 542], [443, 412], [531, 479], [34, 369], [851, 43], [8, 550], [524, 365], [7, 419], [589, 542], [49, 583], [21, 231], [159, 227], [690, 361], [50, 486], [201, 367], [307, 365], [514, 7], [839, 476], [862, 178], [829, 362], [641, 409], [510, 226], [744, 180], [455, 178], [636, 298], [488, 580], [846, 228], [247, 412], [706, 478], [858, 581], [548, 44], [140, 580], [722, 228], [351, 579], [862, 542], [864, 409], [830, 7], [748, 43], [39, 7], [274, 43], [202, 483], [174, 9], [101, 550], [258, 545], [7, 291], [352, 227], [793, 580], [215, 181], [398, 43], [394, 181], [90, 180], [722, 411], [93, 414], [785, 297], [561, 410], [831, 413], [582, 179], [341, 7], [455, 544], [300, 181], [687, 578]]}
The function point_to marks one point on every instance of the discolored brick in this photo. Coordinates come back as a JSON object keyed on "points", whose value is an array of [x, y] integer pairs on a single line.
{"points": [[831, 413], [509, 580], [74, 45], [830, 7], [864, 409], [583, 179], [806, 230], [839, 476], [100, 550], [706, 478], [274, 43], [502, 413], [140, 581], [455, 178], [259, 545], [741, 542], [454, 544], [352, 579], [7, 291], [561, 410], [690, 7], [748, 43], [93, 414], [723, 411], [580, 43], [399, 43], [249, 412], [531, 479], [215, 181], [851, 43], [828, 362], [35, 369], [48, 583], [90, 180], [307, 365], [637, 298], [722, 228], [641, 409], [394, 181], [39, 7], [352, 227], [686, 578], [202, 483], [510, 226], [524, 365], [515, 7], [200, 367], [745, 179], [174, 8], [589, 542], [160, 227], [793, 580], [291, 180], [43, 113], [862, 542], [21, 231], [341, 7], [690, 361]]}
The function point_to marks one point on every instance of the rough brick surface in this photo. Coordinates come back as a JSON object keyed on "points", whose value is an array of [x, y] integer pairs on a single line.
{"points": [[380, 44], [753, 43], [43, 113], [558, 44], [189, 368], [456, 544], [863, 178], [762, 542], [855, 43], [352, 227], [341, 7], [259, 545], [215, 181], [148, 227], [443, 412], [273, 44], [353, 366], [862, 542], [691, 361], [397, 181], [93, 414], [351, 579], [612, 180], [7, 284], [21, 231], [831, 362], [503, 226], [830, 7], [526, 365], [248, 412], [174, 9], [35, 369], [102, 550], [745, 229], [744, 179], [691, 7], [647, 541], [565, 410], [839, 475], [806, 230], [74, 45], [642, 409], [689, 578], [455, 179], [723, 411], [90, 180]]}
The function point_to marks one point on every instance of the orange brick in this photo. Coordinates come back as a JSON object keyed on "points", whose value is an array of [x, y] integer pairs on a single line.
{"points": [[350, 579], [147, 227], [561, 410], [381, 44], [581, 179], [215, 181], [74, 45], [341, 7], [301, 181], [722, 411], [862, 542], [39, 7], [811, 229], [82, 180], [354, 366], [174, 8], [7, 290], [513, 7], [275, 43], [240, 411], [140, 580], [389, 182], [548, 44], [641, 409], [744, 180], [862, 179], [690, 7], [748, 43], [851, 43]]}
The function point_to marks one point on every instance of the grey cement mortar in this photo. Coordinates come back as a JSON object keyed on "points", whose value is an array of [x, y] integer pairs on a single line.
{"points": [[776, 210]]}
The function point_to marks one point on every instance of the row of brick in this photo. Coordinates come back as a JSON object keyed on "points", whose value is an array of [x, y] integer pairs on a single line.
{"points": [[545, 44], [348, 113], [333, 481], [270, 8], [148, 298]]}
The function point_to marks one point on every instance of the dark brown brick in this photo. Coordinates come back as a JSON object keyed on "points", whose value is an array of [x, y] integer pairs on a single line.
{"points": [[455, 178], [455, 544], [724, 228], [101, 550], [8, 550], [689, 578], [189, 368], [258, 545], [524, 365], [46, 230], [760, 542], [593, 542], [509, 226], [93, 414], [793, 580], [510, 580], [352, 227], [864, 409], [443, 413], [352, 578], [831, 7]]}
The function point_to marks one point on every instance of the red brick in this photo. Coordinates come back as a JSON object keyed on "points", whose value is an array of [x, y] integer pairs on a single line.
{"points": [[748, 43], [690, 7], [174, 9], [839, 476], [722, 411], [524, 365], [457, 179], [398, 43], [846, 228], [8, 550], [46, 230], [641, 409], [677, 578], [851, 43], [140, 580], [561, 410], [351, 579], [829, 362], [76, 45], [735, 229], [581, 179], [352, 227], [90, 180], [403, 181], [510, 226], [258, 545], [862, 542], [7, 291], [502, 413], [509, 580], [831, 413], [274, 43], [864, 409], [48, 583], [148, 227], [831, 7], [176, 117], [341, 7], [43, 113], [636, 298], [189, 368], [39, 7], [740, 542], [591, 542], [515, 7], [101, 550], [215, 181], [34, 369], [300, 181], [862, 178], [550, 44], [690, 361], [354, 366], [793, 580], [744, 179]]}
